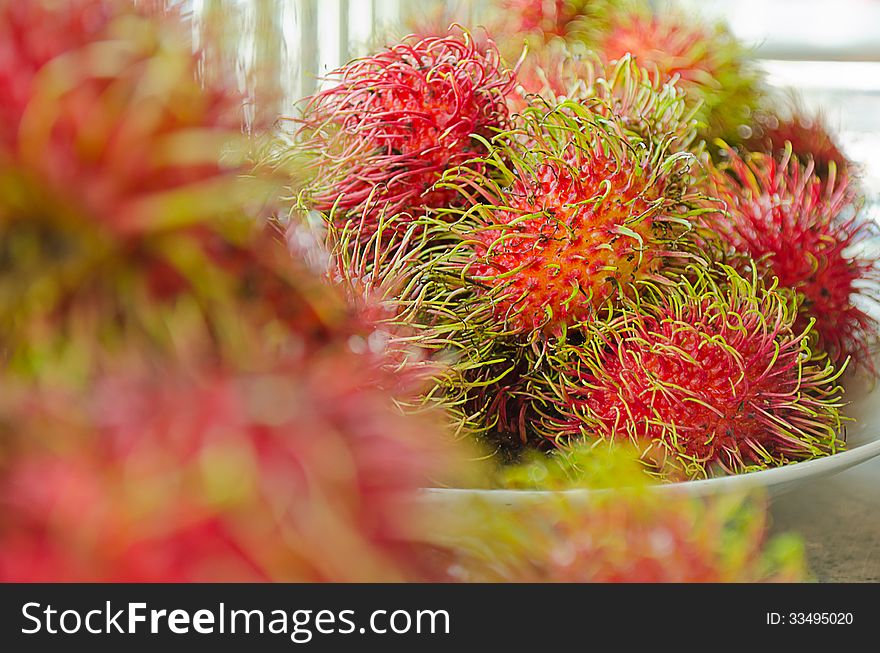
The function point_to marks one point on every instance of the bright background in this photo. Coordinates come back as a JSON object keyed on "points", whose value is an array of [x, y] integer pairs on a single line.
{"points": [[828, 50]]}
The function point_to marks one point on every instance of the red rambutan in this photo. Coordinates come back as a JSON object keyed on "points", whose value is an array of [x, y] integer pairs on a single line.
{"points": [[707, 378], [804, 231], [31, 35], [809, 137], [120, 182], [301, 470], [391, 124], [108, 117], [711, 66], [625, 533], [651, 109], [570, 215]]}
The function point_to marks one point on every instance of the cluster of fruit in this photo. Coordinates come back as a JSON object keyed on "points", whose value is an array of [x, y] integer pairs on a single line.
{"points": [[619, 237], [183, 399]]}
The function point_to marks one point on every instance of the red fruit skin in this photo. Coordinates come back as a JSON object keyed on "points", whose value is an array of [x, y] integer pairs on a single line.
{"points": [[301, 472], [801, 229], [394, 122], [809, 139], [548, 18], [106, 140], [564, 257], [710, 385]]}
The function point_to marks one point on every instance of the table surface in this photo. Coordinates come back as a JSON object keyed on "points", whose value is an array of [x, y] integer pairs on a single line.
{"points": [[838, 518]]}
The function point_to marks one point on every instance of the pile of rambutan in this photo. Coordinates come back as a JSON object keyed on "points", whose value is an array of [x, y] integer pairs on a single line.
{"points": [[183, 399], [539, 258], [599, 267], [391, 124]]}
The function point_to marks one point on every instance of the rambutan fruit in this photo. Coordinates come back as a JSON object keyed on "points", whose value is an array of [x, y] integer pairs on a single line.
{"points": [[625, 533], [711, 66], [625, 539], [31, 35], [183, 399], [109, 140], [707, 379], [297, 469], [121, 188], [543, 18], [804, 231], [651, 109], [34, 33], [391, 124], [566, 215], [809, 137], [569, 215]]}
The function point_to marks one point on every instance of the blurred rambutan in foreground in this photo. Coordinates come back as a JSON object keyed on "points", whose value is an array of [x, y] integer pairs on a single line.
{"points": [[34, 33], [391, 124], [807, 233], [300, 470], [123, 183], [104, 114], [182, 399], [709, 378], [625, 533], [625, 539]]}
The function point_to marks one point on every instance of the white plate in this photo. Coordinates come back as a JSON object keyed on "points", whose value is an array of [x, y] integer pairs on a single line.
{"points": [[863, 443]]}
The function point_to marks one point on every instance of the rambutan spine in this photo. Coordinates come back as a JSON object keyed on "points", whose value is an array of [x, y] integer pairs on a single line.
{"points": [[392, 124], [651, 108], [565, 213], [707, 378], [807, 232]]}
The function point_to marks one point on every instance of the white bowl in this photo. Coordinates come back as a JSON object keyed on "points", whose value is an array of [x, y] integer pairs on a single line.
{"points": [[862, 438]]}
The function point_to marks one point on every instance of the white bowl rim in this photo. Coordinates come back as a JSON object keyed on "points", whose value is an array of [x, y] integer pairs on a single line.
{"points": [[765, 478]]}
